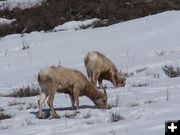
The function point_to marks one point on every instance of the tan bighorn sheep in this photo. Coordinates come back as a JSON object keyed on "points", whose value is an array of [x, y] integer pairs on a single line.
{"points": [[71, 82], [99, 67]]}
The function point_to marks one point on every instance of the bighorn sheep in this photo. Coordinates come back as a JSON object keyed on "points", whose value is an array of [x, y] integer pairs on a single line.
{"points": [[99, 67], [71, 82]]}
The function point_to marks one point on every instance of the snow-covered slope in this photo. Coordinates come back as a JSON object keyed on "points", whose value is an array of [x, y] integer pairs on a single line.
{"points": [[148, 43], [10, 4]]}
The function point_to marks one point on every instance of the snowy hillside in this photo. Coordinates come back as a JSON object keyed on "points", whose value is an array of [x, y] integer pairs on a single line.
{"points": [[147, 43], [19, 3]]}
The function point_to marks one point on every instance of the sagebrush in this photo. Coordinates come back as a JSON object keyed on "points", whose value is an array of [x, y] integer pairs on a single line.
{"points": [[25, 91], [171, 71], [4, 116], [55, 12]]}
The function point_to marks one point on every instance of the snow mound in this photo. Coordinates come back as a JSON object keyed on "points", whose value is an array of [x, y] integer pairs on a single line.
{"points": [[76, 25], [6, 21]]}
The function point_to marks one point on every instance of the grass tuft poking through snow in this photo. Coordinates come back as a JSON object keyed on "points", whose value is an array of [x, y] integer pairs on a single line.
{"points": [[171, 71], [115, 116], [25, 91], [3, 116]]}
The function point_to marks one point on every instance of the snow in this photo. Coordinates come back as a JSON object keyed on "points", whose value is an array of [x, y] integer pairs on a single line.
{"points": [[144, 45], [75, 25], [6, 21], [22, 4]]}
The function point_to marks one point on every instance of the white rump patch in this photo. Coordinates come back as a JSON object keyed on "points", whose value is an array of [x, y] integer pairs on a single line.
{"points": [[93, 55], [45, 71]]}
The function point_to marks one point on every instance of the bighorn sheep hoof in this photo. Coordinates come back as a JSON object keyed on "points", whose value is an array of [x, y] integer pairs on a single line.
{"points": [[40, 117], [54, 117], [77, 111]]}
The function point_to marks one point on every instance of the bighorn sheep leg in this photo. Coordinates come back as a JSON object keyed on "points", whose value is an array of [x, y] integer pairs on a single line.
{"points": [[41, 100], [76, 96], [95, 77], [113, 79], [72, 101], [100, 83], [89, 74], [52, 91]]}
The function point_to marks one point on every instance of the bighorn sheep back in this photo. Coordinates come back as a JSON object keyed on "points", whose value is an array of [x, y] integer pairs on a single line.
{"points": [[71, 82], [99, 67]]}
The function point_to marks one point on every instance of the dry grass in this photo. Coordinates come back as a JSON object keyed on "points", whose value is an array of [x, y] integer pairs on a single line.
{"points": [[55, 12], [4, 116], [171, 71], [115, 116], [14, 103], [140, 84], [25, 91], [133, 104], [87, 115], [1, 109]]}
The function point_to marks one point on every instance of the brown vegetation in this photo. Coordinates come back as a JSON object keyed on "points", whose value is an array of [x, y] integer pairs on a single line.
{"points": [[171, 71], [54, 12], [3, 116], [26, 91]]}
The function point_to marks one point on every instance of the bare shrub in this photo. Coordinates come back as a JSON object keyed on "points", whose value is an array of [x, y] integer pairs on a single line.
{"points": [[55, 12], [6, 52], [27, 122], [25, 45], [167, 94], [1, 109], [153, 74], [165, 4], [25, 91], [156, 75], [90, 122], [149, 101], [139, 70], [5, 29], [14, 103], [130, 74], [171, 71], [133, 104], [31, 106], [115, 116], [161, 53], [113, 132], [4, 116], [20, 108], [3, 127], [140, 84], [87, 115], [70, 115]]}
